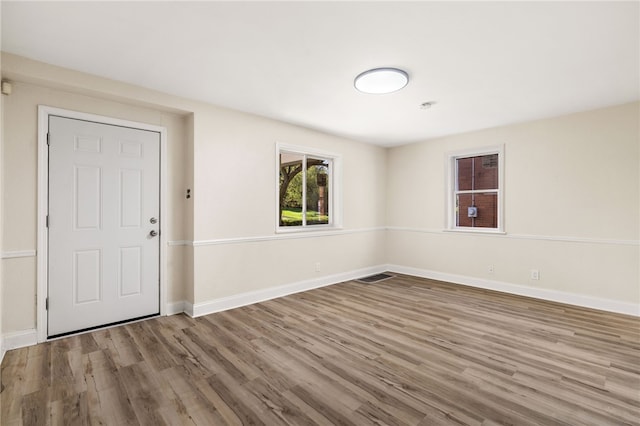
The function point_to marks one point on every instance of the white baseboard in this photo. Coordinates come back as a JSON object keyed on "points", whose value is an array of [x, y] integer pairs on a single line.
{"points": [[173, 308], [24, 338], [188, 308], [538, 293], [244, 299], [19, 339]]}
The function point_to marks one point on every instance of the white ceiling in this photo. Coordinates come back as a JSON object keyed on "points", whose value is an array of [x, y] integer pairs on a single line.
{"points": [[484, 63]]}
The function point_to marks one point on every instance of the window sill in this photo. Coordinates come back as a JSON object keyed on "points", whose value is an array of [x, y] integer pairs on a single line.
{"points": [[476, 231], [317, 228]]}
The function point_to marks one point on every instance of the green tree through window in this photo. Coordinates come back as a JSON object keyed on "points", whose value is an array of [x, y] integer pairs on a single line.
{"points": [[304, 198]]}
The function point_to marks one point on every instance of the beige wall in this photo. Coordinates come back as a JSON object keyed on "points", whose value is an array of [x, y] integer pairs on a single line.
{"points": [[572, 178], [2, 350], [227, 159], [19, 174], [235, 197], [187, 251], [571, 206]]}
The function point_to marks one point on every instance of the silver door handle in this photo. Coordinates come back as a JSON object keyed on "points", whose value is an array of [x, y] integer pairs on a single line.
{"points": [[153, 220], [153, 233]]}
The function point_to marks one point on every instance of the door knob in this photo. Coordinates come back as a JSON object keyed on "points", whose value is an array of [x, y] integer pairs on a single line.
{"points": [[153, 233], [153, 220]]}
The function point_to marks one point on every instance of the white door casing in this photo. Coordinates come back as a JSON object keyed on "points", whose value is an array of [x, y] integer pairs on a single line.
{"points": [[102, 265]]}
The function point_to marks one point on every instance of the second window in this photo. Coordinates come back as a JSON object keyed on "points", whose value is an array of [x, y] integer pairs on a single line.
{"points": [[476, 191]]}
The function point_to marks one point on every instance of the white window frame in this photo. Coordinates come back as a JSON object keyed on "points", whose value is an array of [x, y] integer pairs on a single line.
{"points": [[334, 185], [451, 166]]}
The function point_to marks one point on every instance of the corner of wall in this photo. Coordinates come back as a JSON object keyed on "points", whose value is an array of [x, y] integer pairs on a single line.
{"points": [[189, 180], [2, 346]]}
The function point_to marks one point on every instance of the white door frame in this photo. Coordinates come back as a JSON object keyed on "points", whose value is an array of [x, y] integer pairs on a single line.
{"points": [[43, 195]]}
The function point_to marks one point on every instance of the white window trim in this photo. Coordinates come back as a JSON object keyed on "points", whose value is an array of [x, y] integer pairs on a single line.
{"points": [[335, 189], [450, 170]]}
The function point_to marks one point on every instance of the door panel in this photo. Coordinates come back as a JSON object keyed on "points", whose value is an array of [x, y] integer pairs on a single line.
{"points": [[87, 197], [87, 284], [130, 274], [130, 198], [104, 188]]}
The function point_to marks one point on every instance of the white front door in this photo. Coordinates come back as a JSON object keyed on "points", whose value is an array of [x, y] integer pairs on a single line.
{"points": [[104, 207]]}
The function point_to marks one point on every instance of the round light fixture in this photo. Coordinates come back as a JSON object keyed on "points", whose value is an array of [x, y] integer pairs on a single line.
{"points": [[381, 80]]}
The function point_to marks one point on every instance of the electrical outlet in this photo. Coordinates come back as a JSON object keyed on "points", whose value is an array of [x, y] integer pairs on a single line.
{"points": [[317, 266], [535, 274], [490, 269]]}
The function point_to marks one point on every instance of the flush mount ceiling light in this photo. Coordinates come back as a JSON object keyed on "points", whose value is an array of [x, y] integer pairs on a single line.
{"points": [[379, 81]]}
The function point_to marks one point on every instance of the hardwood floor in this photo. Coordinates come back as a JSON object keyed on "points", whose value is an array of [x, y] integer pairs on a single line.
{"points": [[406, 351]]}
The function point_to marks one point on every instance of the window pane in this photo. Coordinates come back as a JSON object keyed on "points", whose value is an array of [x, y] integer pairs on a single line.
{"points": [[290, 189], [477, 172], [463, 201], [486, 172], [465, 174], [317, 191], [485, 212]]}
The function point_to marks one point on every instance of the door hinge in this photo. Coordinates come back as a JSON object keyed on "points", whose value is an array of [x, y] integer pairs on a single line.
{"points": [[47, 221], [46, 304], [48, 140]]}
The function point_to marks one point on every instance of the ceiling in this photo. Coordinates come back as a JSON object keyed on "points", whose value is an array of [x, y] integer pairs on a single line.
{"points": [[485, 64]]}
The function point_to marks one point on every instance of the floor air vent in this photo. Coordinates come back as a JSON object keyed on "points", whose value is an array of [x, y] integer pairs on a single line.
{"points": [[372, 279]]}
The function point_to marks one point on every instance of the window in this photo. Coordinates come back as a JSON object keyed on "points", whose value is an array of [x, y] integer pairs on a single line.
{"points": [[475, 194], [305, 189]]}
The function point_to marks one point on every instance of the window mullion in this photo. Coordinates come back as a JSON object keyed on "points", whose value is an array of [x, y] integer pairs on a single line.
{"points": [[477, 191], [304, 190]]}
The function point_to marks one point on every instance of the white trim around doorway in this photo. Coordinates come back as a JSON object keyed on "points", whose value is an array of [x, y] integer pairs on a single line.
{"points": [[43, 194]]}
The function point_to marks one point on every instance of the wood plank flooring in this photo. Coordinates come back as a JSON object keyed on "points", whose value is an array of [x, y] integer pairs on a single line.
{"points": [[405, 351]]}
